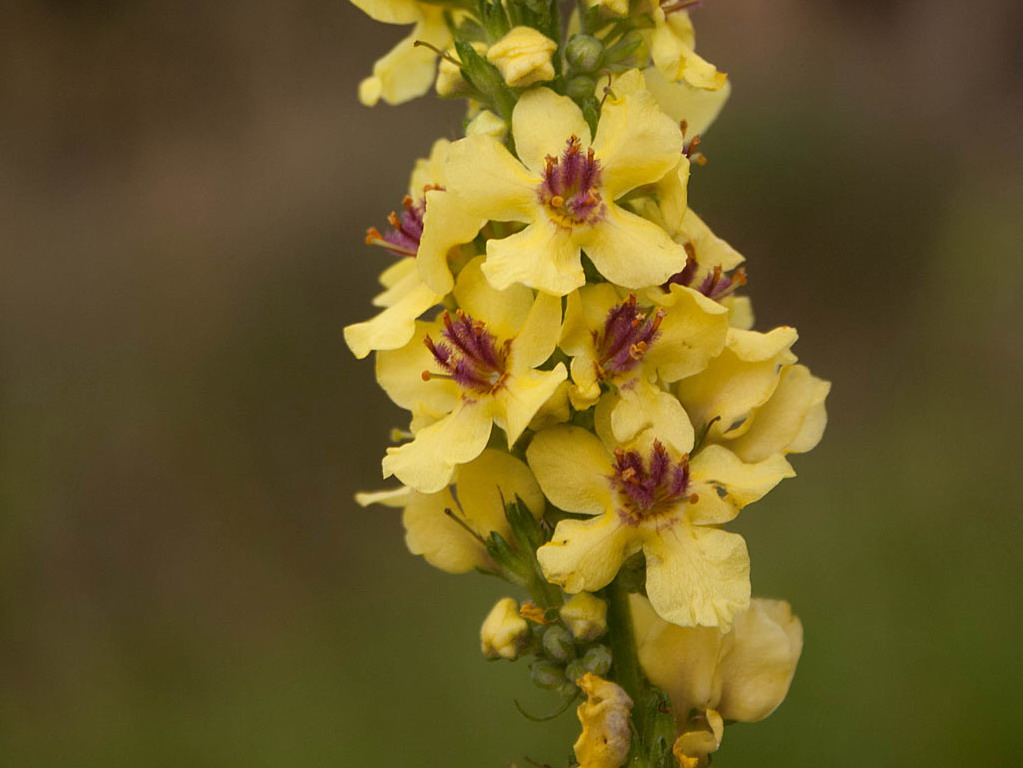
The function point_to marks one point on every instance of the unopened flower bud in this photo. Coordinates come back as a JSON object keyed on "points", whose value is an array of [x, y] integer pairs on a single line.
{"points": [[449, 75], [558, 643], [547, 675], [504, 634], [523, 57], [598, 660], [581, 87], [486, 123], [575, 669], [585, 53], [586, 616]]}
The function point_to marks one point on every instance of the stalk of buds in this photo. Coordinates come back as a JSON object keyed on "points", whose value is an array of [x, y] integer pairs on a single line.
{"points": [[589, 406]]}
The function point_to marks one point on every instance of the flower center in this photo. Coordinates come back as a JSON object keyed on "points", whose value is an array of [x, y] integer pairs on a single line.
{"points": [[647, 488], [470, 354], [714, 285], [625, 338], [402, 239], [570, 186]]}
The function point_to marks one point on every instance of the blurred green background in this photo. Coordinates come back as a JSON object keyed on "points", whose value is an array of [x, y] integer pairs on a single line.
{"points": [[185, 580]]}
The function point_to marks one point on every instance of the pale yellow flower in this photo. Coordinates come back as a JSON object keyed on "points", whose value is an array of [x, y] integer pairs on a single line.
{"points": [[755, 399], [504, 634], [615, 341], [647, 497], [672, 44], [476, 498], [564, 189], [464, 373], [607, 730], [711, 676], [406, 71]]}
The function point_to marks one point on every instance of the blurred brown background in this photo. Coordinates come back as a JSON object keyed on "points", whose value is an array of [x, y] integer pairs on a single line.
{"points": [[185, 579]]}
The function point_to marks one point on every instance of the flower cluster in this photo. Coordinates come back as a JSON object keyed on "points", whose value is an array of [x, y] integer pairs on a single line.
{"points": [[589, 407]]}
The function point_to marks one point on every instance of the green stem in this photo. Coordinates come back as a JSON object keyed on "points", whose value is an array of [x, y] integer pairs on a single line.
{"points": [[625, 665]]}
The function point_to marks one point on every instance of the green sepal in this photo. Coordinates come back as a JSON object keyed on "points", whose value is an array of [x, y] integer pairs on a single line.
{"points": [[486, 78]]}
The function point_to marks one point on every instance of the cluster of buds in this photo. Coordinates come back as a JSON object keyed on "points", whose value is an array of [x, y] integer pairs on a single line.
{"points": [[589, 405]]}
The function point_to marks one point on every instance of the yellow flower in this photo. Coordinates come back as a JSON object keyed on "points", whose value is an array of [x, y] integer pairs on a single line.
{"points": [[672, 44], [564, 190], [476, 498], [464, 373], [614, 341], [756, 401], [407, 295], [406, 71], [504, 634], [711, 676], [681, 101], [523, 56], [607, 731], [647, 497]]}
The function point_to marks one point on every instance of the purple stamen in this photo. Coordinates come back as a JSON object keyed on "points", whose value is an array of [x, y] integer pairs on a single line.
{"points": [[570, 186], [715, 285], [648, 489], [627, 335], [472, 356], [406, 230]]}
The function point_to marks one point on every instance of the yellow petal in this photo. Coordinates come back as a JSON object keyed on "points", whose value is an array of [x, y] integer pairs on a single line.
{"points": [[586, 554], [407, 72], [792, 421], [400, 271], [680, 101], [711, 251], [395, 497], [504, 634], [393, 327], [585, 312], [400, 374], [697, 575], [645, 413], [572, 467], [538, 334], [542, 256], [541, 124], [522, 395], [428, 462], [725, 484], [636, 143], [692, 332], [429, 171], [632, 251], [759, 661], [490, 182], [446, 224], [391, 11], [504, 311]]}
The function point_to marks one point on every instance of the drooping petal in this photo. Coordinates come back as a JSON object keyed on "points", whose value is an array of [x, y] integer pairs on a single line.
{"points": [[394, 497], [391, 11], [543, 256], [792, 421], [697, 575], [490, 182], [759, 660], [636, 143], [698, 107], [573, 468], [446, 224], [393, 327], [541, 124], [711, 251], [522, 395], [538, 334], [428, 462], [606, 728], [407, 71], [631, 251], [586, 554]]}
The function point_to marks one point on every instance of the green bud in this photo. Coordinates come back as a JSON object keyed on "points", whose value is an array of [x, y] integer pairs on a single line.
{"points": [[558, 643], [581, 88], [547, 675], [630, 43], [598, 660], [585, 53], [575, 670]]}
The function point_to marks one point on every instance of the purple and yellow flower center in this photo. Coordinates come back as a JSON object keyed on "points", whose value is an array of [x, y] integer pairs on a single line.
{"points": [[714, 285], [649, 487], [470, 354], [626, 336], [570, 187], [402, 239]]}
